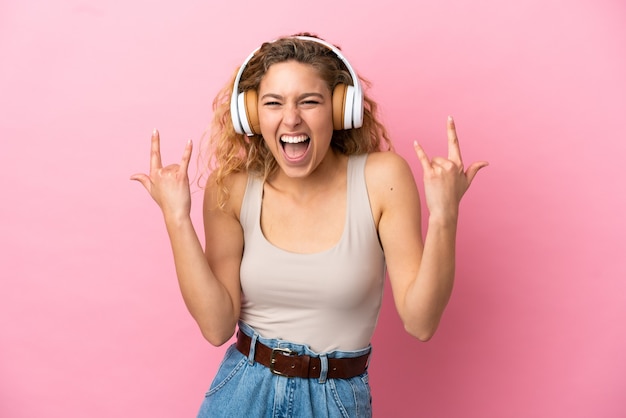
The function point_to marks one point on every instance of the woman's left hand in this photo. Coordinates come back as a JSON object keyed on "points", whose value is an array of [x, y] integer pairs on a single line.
{"points": [[445, 179]]}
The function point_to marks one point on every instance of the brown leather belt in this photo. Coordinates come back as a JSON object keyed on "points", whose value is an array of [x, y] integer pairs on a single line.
{"points": [[284, 362]]}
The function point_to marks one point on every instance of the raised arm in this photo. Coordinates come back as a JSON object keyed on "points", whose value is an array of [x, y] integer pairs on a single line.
{"points": [[212, 300], [422, 272]]}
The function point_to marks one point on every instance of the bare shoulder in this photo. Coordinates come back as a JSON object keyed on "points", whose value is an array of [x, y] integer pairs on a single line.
{"points": [[386, 170], [235, 185], [389, 182], [222, 227]]}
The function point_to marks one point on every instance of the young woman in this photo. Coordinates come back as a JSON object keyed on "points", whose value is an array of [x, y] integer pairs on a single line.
{"points": [[305, 211]]}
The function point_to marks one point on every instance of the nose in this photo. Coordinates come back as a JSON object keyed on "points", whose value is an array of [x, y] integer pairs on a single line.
{"points": [[291, 115]]}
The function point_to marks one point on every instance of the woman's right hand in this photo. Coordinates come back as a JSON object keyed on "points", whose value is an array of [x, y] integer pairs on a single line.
{"points": [[168, 186]]}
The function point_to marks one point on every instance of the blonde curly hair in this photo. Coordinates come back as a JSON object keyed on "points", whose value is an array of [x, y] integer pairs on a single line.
{"points": [[229, 152]]}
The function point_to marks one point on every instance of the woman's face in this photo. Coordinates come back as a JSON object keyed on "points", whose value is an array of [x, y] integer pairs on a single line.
{"points": [[295, 115]]}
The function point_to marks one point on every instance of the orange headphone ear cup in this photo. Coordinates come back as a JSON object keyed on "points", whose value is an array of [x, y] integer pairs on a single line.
{"points": [[339, 106], [251, 111]]}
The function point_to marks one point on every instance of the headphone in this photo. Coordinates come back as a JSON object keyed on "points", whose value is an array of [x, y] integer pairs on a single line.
{"points": [[347, 100]]}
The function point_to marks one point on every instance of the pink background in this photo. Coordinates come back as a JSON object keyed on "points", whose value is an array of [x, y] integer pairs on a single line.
{"points": [[91, 321]]}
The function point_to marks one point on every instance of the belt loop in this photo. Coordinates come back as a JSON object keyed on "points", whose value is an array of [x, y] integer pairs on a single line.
{"points": [[255, 336], [324, 368]]}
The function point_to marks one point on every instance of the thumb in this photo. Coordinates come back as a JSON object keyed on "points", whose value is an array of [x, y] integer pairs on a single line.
{"points": [[473, 169], [143, 179]]}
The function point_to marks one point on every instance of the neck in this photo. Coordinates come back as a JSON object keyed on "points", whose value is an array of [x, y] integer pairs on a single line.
{"points": [[327, 175]]}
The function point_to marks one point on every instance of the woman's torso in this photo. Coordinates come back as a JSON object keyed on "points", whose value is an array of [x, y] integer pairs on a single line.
{"points": [[325, 292]]}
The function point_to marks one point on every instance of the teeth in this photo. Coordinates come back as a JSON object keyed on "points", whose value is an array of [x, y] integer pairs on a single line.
{"points": [[294, 139]]}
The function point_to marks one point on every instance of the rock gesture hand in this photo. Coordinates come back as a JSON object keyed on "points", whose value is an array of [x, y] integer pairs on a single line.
{"points": [[168, 186], [445, 179]]}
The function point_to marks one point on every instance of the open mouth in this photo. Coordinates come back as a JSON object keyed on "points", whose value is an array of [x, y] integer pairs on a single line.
{"points": [[295, 147]]}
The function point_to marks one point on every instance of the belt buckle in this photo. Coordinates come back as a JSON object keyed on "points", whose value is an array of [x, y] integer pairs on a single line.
{"points": [[283, 352]]}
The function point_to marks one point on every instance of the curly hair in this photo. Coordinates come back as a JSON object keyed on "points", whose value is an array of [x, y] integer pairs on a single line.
{"points": [[230, 152]]}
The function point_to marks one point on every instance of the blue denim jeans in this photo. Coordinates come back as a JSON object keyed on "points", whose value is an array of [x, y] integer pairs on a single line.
{"points": [[244, 388]]}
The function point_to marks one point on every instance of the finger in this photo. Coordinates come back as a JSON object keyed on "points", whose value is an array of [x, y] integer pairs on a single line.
{"points": [[143, 179], [155, 152], [444, 162], [454, 150], [421, 155], [473, 169], [184, 163]]}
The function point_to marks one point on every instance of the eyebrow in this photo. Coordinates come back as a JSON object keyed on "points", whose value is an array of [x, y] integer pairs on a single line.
{"points": [[300, 97]]}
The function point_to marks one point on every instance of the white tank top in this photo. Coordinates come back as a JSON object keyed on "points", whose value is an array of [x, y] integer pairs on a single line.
{"points": [[328, 300]]}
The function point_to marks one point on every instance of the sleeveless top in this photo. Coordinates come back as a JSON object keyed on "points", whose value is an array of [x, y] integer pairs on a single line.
{"points": [[328, 300]]}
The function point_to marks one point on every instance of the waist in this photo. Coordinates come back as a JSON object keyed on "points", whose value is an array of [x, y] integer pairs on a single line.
{"points": [[295, 360]]}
